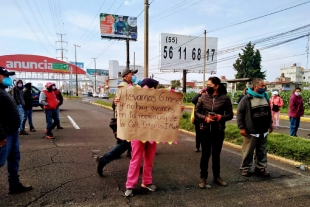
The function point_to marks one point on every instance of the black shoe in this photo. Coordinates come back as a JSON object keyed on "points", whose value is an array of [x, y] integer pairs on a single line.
{"points": [[59, 127], [262, 172], [23, 132], [32, 129], [100, 165], [20, 188]]}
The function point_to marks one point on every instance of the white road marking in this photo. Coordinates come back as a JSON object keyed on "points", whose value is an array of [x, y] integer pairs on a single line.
{"points": [[73, 123]]}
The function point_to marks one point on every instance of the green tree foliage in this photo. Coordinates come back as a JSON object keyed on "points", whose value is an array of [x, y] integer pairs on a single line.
{"points": [[248, 65], [175, 83]]}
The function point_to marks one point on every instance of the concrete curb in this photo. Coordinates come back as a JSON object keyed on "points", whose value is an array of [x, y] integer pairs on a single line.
{"points": [[274, 157], [282, 117]]}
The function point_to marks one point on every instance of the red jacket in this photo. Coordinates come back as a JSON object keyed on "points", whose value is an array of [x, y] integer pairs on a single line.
{"points": [[276, 100], [296, 106], [51, 100]]}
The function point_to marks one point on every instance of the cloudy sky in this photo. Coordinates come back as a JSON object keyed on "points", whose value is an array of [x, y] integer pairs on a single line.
{"points": [[31, 27]]}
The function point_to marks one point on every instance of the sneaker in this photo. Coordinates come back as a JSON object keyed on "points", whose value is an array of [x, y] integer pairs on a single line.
{"points": [[59, 127], [23, 132], [150, 187], [202, 184], [220, 181], [49, 137], [32, 129], [262, 172], [129, 192], [100, 165], [20, 188], [245, 173]]}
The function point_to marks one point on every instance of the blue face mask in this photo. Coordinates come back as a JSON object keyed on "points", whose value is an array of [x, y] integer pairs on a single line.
{"points": [[134, 79], [261, 90], [7, 81]]}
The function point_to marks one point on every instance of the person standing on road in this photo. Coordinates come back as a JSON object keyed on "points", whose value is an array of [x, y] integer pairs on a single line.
{"points": [[60, 99], [198, 130], [254, 119], [296, 111], [28, 107], [18, 95], [245, 91], [276, 102], [9, 143], [50, 103], [213, 110]]}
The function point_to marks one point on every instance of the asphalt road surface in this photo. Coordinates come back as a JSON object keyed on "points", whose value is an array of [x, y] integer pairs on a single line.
{"points": [[63, 171]]}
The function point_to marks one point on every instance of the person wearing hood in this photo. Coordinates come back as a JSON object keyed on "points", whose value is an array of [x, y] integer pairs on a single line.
{"points": [[254, 121], [276, 102], [28, 107], [296, 111], [9, 125], [212, 110], [60, 102], [18, 95], [50, 103]]}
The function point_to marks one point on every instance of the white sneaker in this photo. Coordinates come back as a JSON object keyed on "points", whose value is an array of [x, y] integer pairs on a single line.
{"points": [[150, 187], [129, 192]]}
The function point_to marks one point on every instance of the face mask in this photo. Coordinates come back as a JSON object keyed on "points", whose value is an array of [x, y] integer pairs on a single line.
{"points": [[20, 85], [133, 79], [49, 89], [297, 93], [53, 87], [261, 90], [7, 81], [210, 90]]}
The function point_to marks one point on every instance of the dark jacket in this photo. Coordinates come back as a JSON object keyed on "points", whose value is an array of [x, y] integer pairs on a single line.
{"points": [[9, 116], [220, 104], [244, 115], [195, 101], [28, 99], [18, 95], [59, 96], [296, 106]]}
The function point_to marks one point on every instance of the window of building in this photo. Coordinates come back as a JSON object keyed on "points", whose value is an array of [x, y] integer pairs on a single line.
{"points": [[287, 85]]}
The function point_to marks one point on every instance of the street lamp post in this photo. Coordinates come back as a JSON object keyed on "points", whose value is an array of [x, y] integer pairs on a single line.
{"points": [[76, 74], [95, 75]]}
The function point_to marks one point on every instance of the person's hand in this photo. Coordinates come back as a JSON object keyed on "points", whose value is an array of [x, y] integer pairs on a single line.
{"points": [[243, 132], [182, 107], [217, 117], [2, 143], [271, 129], [209, 119], [116, 101]]}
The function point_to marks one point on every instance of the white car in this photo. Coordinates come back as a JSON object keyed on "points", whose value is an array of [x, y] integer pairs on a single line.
{"points": [[95, 94]]}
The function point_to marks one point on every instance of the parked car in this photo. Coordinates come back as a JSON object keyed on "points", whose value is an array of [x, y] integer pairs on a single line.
{"points": [[36, 92], [90, 94], [95, 95], [103, 96]]}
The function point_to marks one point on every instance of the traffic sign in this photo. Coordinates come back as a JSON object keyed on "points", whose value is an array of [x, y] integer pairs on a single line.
{"points": [[60, 66]]}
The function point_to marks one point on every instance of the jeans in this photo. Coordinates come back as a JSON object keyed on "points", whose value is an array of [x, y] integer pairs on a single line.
{"points": [[294, 124], [117, 151], [58, 117], [50, 115], [10, 153], [27, 115], [211, 142], [21, 115]]}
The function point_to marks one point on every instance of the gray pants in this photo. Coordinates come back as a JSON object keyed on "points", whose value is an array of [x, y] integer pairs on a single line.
{"points": [[251, 143]]}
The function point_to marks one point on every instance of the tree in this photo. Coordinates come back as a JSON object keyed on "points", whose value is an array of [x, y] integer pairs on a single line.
{"points": [[248, 65], [161, 86], [175, 83]]}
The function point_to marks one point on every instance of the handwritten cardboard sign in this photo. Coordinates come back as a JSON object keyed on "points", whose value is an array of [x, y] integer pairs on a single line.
{"points": [[148, 114]]}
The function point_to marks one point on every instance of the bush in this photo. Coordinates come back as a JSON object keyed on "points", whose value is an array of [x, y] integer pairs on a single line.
{"points": [[101, 102]]}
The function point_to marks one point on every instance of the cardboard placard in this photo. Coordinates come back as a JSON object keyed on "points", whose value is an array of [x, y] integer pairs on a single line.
{"points": [[148, 114]]}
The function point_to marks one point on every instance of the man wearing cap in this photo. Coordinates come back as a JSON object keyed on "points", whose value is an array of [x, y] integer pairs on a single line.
{"points": [[60, 99], [120, 25], [128, 77], [50, 103], [9, 125]]}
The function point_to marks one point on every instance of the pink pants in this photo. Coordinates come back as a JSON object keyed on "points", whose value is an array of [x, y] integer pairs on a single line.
{"points": [[277, 117], [140, 149]]}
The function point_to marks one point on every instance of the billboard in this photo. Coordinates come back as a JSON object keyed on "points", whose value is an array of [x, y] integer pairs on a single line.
{"points": [[113, 26], [181, 52], [99, 72], [79, 64], [36, 63]]}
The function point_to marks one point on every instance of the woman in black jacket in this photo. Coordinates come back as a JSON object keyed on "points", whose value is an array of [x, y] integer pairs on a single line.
{"points": [[196, 122], [212, 111]]}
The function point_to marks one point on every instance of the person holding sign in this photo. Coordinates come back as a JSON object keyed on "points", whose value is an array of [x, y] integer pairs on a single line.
{"points": [[212, 111]]}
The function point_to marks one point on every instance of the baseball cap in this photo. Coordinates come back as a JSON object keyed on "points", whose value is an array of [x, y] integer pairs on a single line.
{"points": [[275, 93], [48, 84], [127, 71], [4, 72]]}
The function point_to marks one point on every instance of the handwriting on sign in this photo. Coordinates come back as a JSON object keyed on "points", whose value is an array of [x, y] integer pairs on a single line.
{"points": [[148, 115]]}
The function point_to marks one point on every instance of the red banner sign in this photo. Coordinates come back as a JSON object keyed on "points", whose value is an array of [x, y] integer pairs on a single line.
{"points": [[34, 63]]}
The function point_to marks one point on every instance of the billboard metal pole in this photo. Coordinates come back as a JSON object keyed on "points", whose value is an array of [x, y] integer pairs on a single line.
{"points": [[204, 60], [95, 75], [76, 74], [146, 38], [127, 53]]}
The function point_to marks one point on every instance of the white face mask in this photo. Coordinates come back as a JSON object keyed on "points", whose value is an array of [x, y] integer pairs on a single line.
{"points": [[20, 85], [53, 87], [297, 93]]}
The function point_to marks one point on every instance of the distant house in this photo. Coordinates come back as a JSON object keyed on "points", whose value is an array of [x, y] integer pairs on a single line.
{"points": [[282, 84]]}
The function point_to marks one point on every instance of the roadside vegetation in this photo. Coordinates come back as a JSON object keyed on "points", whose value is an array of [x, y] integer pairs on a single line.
{"points": [[104, 103]]}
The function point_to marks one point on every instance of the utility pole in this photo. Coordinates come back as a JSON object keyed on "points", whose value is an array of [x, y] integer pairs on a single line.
{"points": [[184, 81], [134, 60], [146, 38], [61, 47], [204, 60], [127, 53], [76, 74], [95, 75], [307, 50]]}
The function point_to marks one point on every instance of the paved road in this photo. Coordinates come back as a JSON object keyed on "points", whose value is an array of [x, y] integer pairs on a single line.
{"points": [[63, 171]]}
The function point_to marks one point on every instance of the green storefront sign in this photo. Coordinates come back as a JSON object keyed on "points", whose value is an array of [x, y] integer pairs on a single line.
{"points": [[60, 66]]}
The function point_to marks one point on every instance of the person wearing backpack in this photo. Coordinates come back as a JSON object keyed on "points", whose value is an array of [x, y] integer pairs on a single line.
{"points": [[276, 102]]}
